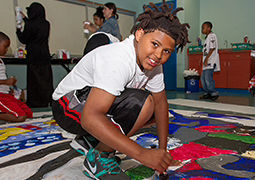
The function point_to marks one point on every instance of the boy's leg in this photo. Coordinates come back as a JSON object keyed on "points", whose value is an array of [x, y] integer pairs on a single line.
{"points": [[144, 116], [10, 109], [205, 85], [129, 112], [12, 118], [69, 120], [211, 85], [25, 108]]}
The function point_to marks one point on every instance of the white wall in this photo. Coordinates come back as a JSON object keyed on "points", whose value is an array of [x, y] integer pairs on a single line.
{"points": [[191, 15], [232, 19]]}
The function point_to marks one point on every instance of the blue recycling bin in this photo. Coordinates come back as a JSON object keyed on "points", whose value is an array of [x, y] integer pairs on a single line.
{"points": [[192, 84]]}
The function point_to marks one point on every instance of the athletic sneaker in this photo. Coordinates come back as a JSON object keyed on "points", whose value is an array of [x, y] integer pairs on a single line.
{"points": [[81, 144], [205, 96], [100, 166], [214, 98]]}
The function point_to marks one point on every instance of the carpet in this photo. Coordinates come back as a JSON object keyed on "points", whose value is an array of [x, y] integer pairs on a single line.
{"points": [[218, 146]]}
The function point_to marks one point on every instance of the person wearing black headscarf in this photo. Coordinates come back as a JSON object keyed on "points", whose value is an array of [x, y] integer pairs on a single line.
{"points": [[39, 73]]}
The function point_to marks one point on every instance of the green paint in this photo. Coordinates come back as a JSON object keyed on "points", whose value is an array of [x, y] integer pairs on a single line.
{"points": [[140, 173], [245, 139]]}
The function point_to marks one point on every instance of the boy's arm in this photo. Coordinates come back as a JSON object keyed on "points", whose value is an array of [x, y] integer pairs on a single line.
{"points": [[207, 57], [9, 82], [161, 117], [94, 120]]}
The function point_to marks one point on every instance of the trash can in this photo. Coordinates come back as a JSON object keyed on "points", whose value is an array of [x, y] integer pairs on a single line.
{"points": [[192, 84]]}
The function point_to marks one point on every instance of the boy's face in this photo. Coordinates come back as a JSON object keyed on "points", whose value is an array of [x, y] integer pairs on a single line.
{"points": [[4, 45], [205, 29], [153, 48]]}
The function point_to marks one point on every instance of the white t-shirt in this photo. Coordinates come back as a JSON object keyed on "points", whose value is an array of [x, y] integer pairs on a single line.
{"points": [[3, 88], [112, 68], [211, 42]]}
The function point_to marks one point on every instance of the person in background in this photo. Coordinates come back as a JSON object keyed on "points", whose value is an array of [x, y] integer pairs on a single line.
{"points": [[98, 17], [211, 62], [39, 73], [103, 35], [11, 109], [110, 25]]}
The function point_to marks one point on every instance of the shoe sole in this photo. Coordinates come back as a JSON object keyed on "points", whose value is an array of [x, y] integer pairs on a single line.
{"points": [[90, 174], [78, 148], [214, 98]]}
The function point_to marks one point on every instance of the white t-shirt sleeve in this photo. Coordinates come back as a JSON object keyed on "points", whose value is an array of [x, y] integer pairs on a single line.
{"points": [[156, 83], [212, 41], [111, 75]]}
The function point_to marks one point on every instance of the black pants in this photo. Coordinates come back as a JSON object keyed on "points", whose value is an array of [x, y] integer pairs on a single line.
{"points": [[39, 85], [123, 112]]}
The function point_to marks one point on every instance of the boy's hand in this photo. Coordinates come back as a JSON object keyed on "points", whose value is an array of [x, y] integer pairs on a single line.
{"points": [[158, 160], [11, 81]]}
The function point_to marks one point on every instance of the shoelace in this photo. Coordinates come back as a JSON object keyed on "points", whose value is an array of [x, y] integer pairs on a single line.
{"points": [[110, 164]]}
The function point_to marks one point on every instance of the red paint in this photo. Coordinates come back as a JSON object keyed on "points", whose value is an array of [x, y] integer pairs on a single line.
{"points": [[215, 129], [29, 127], [194, 151]]}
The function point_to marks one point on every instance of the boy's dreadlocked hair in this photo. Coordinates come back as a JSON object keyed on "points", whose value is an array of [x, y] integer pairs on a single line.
{"points": [[164, 20]]}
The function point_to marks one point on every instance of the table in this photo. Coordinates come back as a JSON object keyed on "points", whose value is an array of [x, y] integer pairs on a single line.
{"points": [[22, 61]]}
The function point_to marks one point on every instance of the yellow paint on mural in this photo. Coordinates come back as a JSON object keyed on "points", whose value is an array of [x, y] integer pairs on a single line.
{"points": [[6, 133], [51, 122]]}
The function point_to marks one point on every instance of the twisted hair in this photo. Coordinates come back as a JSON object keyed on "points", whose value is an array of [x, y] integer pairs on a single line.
{"points": [[163, 19]]}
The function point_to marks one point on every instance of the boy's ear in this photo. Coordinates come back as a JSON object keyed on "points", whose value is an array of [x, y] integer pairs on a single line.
{"points": [[139, 34]]}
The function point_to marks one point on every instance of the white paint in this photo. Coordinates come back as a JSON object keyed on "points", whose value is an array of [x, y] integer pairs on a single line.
{"points": [[249, 110], [244, 122]]}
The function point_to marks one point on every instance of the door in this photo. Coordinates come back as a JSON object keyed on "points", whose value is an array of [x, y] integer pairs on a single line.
{"points": [[169, 69]]}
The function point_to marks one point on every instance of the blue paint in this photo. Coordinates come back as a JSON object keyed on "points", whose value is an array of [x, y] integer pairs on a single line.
{"points": [[151, 141], [223, 116], [45, 129], [173, 128], [243, 164], [9, 148], [202, 173], [184, 120]]}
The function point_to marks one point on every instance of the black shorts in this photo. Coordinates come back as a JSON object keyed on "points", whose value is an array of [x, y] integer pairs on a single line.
{"points": [[123, 112]]}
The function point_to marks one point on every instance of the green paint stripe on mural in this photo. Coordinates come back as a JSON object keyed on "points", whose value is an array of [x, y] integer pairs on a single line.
{"points": [[245, 139], [140, 172]]}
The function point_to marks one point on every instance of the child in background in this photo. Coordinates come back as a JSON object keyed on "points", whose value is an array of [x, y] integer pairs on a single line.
{"points": [[102, 101], [98, 16], [11, 109], [211, 62]]}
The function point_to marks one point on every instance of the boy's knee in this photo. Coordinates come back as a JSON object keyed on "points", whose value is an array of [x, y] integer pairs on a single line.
{"points": [[149, 103], [21, 118]]}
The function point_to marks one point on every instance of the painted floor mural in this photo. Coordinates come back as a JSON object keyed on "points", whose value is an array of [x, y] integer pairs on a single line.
{"points": [[214, 146]]}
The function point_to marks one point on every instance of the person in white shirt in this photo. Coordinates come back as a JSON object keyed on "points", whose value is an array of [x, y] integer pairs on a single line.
{"points": [[118, 88], [11, 109], [211, 62]]}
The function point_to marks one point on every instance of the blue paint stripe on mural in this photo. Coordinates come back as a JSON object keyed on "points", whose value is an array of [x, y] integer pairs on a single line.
{"points": [[9, 148]]}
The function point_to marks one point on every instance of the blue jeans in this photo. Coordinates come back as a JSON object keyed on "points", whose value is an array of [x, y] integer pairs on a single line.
{"points": [[208, 82]]}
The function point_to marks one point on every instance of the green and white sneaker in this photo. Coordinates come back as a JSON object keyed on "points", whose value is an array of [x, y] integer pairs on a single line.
{"points": [[100, 166]]}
